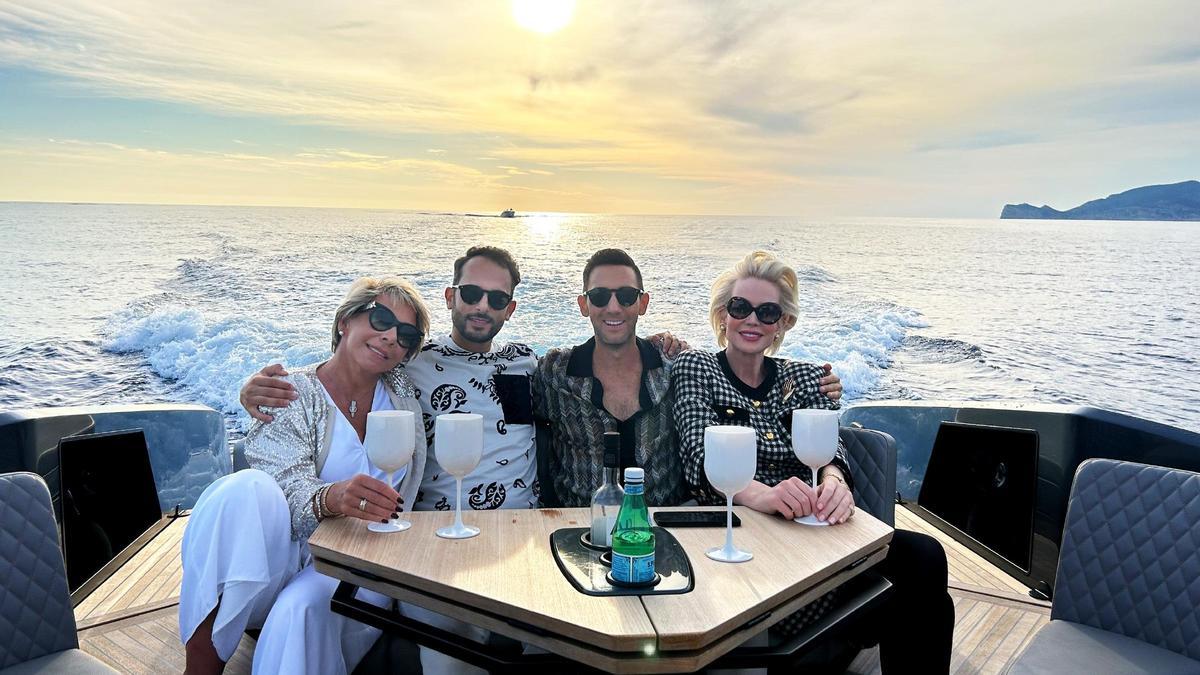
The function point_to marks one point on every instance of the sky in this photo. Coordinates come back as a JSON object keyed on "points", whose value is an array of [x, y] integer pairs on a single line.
{"points": [[918, 108]]}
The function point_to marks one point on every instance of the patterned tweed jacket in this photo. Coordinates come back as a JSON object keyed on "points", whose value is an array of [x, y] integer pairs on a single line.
{"points": [[707, 392], [569, 397], [294, 447]]}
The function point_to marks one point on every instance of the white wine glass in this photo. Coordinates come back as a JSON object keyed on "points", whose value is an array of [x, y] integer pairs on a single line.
{"points": [[390, 442], [730, 460], [814, 440], [458, 444]]}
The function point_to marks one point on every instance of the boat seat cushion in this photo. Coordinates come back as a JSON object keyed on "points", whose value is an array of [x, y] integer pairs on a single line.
{"points": [[872, 456], [73, 661], [1063, 647], [1130, 560], [37, 618]]}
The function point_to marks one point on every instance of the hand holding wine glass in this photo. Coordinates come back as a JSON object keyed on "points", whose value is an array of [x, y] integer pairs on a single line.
{"points": [[814, 440], [390, 443], [730, 461], [458, 444]]}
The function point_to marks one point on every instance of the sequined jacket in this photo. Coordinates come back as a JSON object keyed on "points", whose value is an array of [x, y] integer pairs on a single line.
{"points": [[294, 447]]}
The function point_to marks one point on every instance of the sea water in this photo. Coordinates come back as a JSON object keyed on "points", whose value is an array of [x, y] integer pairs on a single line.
{"points": [[139, 304]]}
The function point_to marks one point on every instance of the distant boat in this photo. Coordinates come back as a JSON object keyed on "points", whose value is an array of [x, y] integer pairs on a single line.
{"points": [[508, 213]]}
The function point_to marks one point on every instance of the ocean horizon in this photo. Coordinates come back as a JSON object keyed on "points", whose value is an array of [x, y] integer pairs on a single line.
{"points": [[127, 303]]}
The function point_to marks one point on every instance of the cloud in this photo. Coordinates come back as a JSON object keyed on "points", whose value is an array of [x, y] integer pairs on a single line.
{"points": [[732, 104]]}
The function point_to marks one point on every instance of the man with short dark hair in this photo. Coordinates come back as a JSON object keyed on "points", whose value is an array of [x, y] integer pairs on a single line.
{"points": [[615, 381]]}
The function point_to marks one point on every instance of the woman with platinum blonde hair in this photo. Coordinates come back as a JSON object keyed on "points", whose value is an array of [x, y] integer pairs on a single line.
{"points": [[757, 265], [753, 306], [245, 555]]}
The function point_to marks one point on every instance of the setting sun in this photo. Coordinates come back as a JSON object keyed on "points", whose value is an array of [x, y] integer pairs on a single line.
{"points": [[543, 16]]}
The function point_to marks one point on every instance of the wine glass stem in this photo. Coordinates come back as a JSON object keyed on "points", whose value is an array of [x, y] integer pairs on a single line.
{"points": [[458, 523], [814, 476], [728, 522], [390, 475]]}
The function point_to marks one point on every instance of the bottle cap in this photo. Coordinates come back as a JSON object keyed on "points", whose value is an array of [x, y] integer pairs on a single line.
{"points": [[612, 449], [635, 474]]}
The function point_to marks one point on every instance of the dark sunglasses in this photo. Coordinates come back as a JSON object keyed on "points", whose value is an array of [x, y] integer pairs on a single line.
{"points": [[626, 295], [740, 308], [382, 319], [470, 294]]}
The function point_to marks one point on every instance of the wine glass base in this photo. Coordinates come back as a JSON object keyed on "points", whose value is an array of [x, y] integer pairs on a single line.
{"points": [[810, 520], [719, 554], [389, 526], [452, 532]]}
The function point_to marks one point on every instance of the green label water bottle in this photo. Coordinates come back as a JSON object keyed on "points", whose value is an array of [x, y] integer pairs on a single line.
{"points": [[633, 541]]}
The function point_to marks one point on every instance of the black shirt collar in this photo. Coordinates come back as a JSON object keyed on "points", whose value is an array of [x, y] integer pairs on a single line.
{"points": [[758, 393], [580, 364]]}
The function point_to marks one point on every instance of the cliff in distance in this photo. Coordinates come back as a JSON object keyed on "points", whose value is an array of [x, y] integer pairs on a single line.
{"points": [[1178, 201]]}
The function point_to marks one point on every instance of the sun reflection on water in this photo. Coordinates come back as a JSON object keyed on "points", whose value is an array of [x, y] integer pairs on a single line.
{"points": [[546, 225]]}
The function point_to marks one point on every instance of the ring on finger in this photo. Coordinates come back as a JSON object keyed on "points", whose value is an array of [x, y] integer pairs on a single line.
{"points": [[362, 504]]}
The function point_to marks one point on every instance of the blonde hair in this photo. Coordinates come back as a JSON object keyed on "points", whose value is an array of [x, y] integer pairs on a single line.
{"points": [[364, 291], [757, 265]]}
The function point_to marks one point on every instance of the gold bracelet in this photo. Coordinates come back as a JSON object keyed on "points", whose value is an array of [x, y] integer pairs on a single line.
{"points": [[834, 476], [329, 513]]}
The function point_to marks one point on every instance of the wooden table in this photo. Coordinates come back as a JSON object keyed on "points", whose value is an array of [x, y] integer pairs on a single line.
{"points": [[506, 580]]}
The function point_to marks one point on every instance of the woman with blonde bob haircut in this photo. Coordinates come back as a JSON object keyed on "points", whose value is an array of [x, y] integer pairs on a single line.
{"points": [[757, 265], [753, 306], [245, 552]]}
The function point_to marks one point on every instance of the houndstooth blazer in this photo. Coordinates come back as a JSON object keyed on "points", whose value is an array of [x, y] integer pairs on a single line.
{"points": [[707, 393]]}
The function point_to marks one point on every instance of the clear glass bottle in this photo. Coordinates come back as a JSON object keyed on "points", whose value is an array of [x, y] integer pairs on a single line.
{"points": [[633, 540], [606, 501]]}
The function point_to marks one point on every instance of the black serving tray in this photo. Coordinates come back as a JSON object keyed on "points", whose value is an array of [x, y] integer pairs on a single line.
{"points": [[582, 566]]}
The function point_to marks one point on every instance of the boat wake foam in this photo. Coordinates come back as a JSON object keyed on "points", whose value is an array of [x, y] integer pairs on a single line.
{"points": [[209, 356]]}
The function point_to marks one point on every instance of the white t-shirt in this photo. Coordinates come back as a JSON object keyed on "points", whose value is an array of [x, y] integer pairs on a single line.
{"points": [[493, 384]]}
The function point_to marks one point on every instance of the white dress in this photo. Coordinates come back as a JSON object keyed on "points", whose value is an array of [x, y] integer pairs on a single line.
{"points": [[238, 548]]}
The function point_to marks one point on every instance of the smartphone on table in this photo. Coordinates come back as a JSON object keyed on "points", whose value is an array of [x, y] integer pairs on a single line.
{"points": [[693, 519]]}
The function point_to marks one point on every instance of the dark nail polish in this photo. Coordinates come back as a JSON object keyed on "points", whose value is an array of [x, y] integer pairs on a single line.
{"points": [[395, 515], [383, 521]]}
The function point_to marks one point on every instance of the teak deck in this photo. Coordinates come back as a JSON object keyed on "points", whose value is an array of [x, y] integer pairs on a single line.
{"points": [[131, 621]]}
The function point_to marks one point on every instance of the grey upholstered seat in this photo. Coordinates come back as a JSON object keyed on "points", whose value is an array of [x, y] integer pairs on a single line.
{"points": [[1066, 647], [37, 624], [872, 456], [1127, 595]]}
